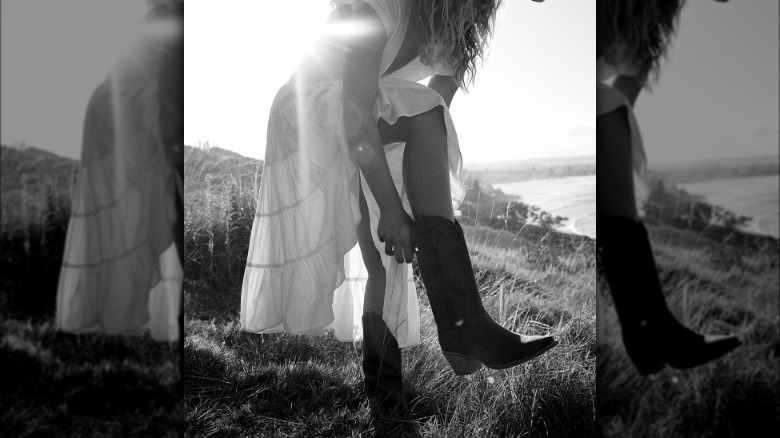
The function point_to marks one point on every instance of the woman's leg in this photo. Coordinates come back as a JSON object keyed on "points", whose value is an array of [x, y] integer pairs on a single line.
{"points": [[614, 167], [381, 355], [468, 335], [651, 334], [426, 165], [374, 299]]}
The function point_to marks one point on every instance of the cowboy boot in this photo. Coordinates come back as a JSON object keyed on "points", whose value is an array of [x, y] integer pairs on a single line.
{"points": [[468, 336], [382, 370], [651, 334]]}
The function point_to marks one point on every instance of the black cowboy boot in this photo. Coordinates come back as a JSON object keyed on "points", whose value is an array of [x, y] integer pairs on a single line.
{"points": [[468, 336], [651, 334], [383, 371]]}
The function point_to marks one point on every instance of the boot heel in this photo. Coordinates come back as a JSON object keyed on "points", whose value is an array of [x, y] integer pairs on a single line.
{"points": [[644, 362], [648, 367], [461, 364]]}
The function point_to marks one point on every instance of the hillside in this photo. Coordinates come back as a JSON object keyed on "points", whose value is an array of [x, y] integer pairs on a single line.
{"points": [[532, 281], [31, 165], [220, 164], [55, 383], [718, 287]]}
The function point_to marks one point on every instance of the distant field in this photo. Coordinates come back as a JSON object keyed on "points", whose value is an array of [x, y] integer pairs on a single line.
{"points": [[573, 197]]}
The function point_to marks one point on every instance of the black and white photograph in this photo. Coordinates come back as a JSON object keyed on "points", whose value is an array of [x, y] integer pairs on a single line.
{"points": [[390, 218], [687, 189], [92, 218], [390, 213]]}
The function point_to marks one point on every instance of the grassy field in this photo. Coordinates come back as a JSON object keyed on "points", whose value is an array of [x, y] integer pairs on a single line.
{"points": [[716, 289], [242, 384], [58, 384]]}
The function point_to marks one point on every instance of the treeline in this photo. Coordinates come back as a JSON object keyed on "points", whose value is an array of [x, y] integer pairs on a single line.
{"points": [[526, 172], [484, 205], [671, 206], [699, 172]]}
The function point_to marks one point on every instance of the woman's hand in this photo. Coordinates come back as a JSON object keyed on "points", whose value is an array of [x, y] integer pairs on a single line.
{"points": [[395, 231]]}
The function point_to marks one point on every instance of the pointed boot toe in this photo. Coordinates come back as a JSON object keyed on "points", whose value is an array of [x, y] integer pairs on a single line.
{"points": [[468, 335], [651, 334], [511, 352], [703, 350], [529, 347]]}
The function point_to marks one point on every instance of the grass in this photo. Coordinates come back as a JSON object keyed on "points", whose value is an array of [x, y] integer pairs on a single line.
{"points": [[54, 383], [714, 289], [279, 385], [58, 384]]}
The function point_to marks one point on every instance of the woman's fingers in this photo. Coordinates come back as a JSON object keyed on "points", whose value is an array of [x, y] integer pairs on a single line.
{"points": [[398, 243], [403, 252], [399, 254], [406, 245], [408, 253]]}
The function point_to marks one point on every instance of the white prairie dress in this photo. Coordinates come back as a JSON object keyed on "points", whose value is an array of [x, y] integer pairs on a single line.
{"points": [[304, 272], [121, 272]]}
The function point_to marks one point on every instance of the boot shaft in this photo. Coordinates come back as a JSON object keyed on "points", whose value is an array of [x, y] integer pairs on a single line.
{"points": [[629, 265], [445, 266], [468, 336], [381, 357]]}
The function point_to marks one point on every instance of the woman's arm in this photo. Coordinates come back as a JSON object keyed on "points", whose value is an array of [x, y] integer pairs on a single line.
{"points": [[446, 86], [360, 87]]}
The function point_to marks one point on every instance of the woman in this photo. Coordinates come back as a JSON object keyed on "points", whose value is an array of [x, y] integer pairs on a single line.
{"points": [[632, 39], [354, 93], [121, 273]]}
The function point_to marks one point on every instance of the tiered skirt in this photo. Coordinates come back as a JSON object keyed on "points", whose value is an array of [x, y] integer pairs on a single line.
{"points": [[305, 273], [121, 273]]}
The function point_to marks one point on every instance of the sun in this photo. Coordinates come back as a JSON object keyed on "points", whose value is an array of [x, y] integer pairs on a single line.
{"points": [[237, 55]]}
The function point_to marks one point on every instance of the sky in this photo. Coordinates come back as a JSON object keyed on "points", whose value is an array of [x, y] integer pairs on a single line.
{"points": [[717, 97], [718, 94], [533, 98], [53, 55]]}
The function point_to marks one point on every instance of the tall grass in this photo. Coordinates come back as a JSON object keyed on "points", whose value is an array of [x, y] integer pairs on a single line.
{"points": [[53, 383], [713, 288], [239, 384]]}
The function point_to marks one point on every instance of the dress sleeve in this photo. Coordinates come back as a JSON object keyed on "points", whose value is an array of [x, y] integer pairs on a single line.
{"points": [[389, 11]]}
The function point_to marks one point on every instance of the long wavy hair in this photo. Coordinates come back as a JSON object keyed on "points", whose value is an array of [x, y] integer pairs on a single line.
{"points": [[458, 31], [637, 31]]}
